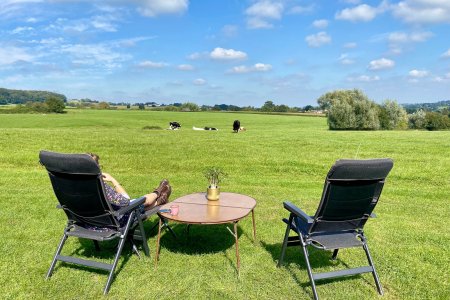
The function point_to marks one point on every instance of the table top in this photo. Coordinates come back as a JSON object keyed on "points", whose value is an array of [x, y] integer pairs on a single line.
{"points": [[196, 209]]}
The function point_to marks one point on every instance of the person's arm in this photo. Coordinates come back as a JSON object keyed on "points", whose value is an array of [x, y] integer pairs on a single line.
{"points": [[116, 185]]}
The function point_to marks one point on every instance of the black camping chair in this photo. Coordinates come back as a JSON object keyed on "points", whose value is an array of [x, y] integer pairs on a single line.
{"points": [[351, 191], [77, 183]]}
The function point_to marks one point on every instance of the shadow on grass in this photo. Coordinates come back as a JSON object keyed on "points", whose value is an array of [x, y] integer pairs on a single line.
{"points": [[105, 254], [199, 239], [294, 260]]}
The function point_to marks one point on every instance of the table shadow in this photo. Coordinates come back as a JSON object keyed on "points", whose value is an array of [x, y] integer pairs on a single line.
{"points": [[199, 239]]}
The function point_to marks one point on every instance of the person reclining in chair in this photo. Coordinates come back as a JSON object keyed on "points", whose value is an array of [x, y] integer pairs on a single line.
{"points": [[118, 197]]}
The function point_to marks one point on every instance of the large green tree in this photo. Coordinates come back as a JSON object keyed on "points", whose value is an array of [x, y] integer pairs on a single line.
{"points": [[55, 105], [350, 109]]}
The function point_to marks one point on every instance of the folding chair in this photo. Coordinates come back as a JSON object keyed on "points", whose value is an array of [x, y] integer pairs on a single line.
{"points": [[78, 186], [351, 191]]}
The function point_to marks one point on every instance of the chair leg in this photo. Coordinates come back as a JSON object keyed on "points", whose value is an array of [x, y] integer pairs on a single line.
{"points": [[335, 253], [285, 241], [134, 248], [58, 251], [97, 246], [144, 238], [308, 266], [374, 272], [122, 240], [116, 260]]}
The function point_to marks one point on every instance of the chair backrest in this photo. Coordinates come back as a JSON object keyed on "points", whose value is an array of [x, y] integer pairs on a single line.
{"points": [[351, 191], [78, 186]]}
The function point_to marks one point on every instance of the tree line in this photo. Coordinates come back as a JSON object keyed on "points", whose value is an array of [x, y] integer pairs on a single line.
{"points": [[8, 96]]}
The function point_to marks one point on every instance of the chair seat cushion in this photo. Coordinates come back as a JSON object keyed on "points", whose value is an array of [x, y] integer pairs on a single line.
{"points": [[336, 240], [101, 234]]}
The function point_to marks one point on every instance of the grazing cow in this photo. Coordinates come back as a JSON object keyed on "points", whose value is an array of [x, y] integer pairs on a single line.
{"points": [[236, 126], [174, 125], [204, 128]]}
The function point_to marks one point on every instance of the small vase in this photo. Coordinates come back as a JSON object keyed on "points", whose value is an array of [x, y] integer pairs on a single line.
{"points": [[212, 194]]}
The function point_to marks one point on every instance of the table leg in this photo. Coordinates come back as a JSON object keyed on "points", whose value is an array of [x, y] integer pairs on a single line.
{"points": [[254, 225], [158, 241], [238, 260]]}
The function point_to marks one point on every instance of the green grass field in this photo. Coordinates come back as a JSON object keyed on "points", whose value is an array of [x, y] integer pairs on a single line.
{"points": [[277, 158]]}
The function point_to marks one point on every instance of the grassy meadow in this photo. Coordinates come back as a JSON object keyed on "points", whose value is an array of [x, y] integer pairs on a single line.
{"points": [[279, 157]]}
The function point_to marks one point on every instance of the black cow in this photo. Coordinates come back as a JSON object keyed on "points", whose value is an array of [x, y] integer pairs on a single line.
{"points": [[175, 125], [236, 126]]}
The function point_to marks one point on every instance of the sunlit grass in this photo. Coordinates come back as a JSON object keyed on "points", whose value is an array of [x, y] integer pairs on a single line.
{"points": [[277, 158]]}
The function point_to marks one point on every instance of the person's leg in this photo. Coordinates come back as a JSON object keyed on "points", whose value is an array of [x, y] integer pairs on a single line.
{"points": [[150, 200]]}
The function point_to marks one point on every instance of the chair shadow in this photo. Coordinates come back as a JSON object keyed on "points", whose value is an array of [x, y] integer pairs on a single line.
{"points": [[293, 259]]}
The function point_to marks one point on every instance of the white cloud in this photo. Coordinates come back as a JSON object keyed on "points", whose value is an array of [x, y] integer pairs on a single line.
{"points": [[230, 30], [418, 73], [152, 65], [10, 55], [266, 9], [103, 23], [199, 81], [402, 37], [381, 64], [197, 55], [444, 78], [227, 54], [92, 54], [131, 42], [262, 67], [361, 13], [422, 11], [320, 23], [31, 20], [259, 67], [397, 40], [345, 60], [351, 1], [317, 40], [446, 54], [363, 78], [185, 67], [19, 30], [257, 23], [153, 8], [297, 10], [350, 45], [262, 13]]}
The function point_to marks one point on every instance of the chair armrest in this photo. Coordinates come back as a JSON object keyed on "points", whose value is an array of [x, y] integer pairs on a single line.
{"points": [[298, 212], [135, 203]]}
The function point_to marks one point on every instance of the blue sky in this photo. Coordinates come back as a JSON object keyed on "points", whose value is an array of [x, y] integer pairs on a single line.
{"points": [[234, 52]]}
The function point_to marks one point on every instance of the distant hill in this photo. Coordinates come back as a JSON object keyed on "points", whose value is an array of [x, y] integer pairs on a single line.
{"points": [[8, 96], [427, 106]]}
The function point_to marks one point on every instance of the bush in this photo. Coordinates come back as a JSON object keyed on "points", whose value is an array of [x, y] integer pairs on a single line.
{"points": [[55, 105], [189, 106], [392, 116], [436, 121], [417, 120], [103, 105]]}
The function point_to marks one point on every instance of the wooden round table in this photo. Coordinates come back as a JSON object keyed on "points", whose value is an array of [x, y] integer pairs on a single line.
{"points": [[196, 209]]}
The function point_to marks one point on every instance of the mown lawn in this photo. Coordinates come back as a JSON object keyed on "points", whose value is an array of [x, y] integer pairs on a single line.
{"points": [[277, 158]]}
